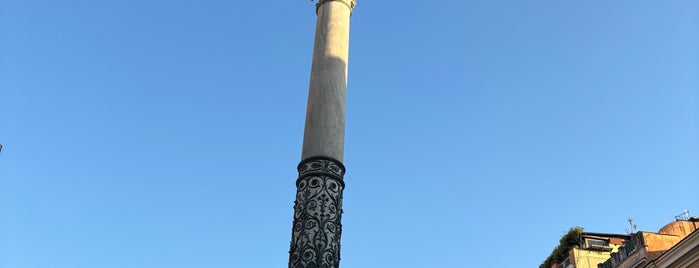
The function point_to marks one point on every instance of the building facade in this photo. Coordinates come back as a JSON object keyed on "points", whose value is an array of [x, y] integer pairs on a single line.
{"points": [[591, 249], [683, 255], [674, 244]]}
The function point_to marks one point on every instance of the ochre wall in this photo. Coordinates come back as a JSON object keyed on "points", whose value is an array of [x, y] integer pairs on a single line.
{"points": [[590, 258], [679, 228]]}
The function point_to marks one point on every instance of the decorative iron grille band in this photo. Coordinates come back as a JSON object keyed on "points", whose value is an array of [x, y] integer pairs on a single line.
{"points": [[315, 240]]}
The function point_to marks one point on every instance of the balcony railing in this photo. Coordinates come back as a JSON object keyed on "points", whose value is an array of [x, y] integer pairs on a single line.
{"points": [[606, 264]]}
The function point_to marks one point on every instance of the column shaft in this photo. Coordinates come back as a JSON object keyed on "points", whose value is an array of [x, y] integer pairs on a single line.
{"points": [[324, 133], [315, 239]]}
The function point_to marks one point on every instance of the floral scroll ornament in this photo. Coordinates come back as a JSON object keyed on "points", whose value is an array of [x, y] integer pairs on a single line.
{"points": [[317, 214]]}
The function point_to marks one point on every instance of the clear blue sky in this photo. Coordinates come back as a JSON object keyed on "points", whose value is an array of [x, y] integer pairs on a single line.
{"points": [[167, 133]]}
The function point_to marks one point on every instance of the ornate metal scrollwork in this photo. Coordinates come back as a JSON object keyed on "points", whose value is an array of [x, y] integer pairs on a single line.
{"points": [[315, 240]]}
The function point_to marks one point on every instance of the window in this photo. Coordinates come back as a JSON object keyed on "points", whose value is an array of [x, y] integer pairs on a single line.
{"points": [[596, 243]]}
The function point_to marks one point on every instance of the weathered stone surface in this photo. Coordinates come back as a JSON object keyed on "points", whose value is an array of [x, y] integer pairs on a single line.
{"points": [[324, 133]]}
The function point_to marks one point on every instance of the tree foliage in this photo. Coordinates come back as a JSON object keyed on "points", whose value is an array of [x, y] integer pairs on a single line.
{"points": [[560, 253]]}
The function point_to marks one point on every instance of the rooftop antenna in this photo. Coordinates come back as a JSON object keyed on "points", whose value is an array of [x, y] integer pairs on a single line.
{"points": [[684, 216], [634, 226]]}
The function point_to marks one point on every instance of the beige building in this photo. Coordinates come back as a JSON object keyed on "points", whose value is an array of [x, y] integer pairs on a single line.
{"points": [[683, 255], [675, 245], [592, 249]]}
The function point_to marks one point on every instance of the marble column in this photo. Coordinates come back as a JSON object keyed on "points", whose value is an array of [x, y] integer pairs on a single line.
{"points": [[315, 240]]}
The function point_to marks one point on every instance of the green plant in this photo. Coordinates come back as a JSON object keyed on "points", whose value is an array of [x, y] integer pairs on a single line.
{"points": [[560, 252]]}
